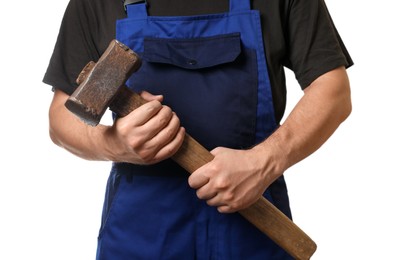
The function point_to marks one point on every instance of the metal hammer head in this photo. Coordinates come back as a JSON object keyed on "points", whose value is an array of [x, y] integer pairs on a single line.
{"points": [[100, 82]]}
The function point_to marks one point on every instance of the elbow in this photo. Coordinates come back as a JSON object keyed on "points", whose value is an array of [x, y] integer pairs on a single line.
{"points": [[53, 136], [345, 107], [53, 132], [55, 116], [54, 124], [340, 93], [345, 103]]}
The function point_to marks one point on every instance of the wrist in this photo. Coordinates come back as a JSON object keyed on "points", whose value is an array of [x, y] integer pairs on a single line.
{"points": [[272, 158], [103, 142]]}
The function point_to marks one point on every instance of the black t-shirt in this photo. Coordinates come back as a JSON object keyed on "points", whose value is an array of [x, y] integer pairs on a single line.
{"points": [[298, 34]]}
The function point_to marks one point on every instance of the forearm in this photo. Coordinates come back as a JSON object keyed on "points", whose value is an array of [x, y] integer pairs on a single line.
{"points": [[69, 132], [325, 105]]}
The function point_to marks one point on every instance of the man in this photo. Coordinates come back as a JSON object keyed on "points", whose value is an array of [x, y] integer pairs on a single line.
{"points": [[215, 69]]}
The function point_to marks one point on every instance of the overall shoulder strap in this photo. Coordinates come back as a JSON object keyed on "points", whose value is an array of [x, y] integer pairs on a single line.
{"points": [[136, 8], [239, 5]]}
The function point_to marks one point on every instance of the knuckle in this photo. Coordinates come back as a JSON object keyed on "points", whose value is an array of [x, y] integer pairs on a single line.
{"points": [[235, 205], [216, 169], [154, 105], [163, 121], [225, 209], [209, 203], [144, 153], [166, 116], [170, 133], [229, 197], [170, 151], [135, 143], [122, 128], [167, 109], [221, 184], [146, 156], [175, 121], [199, 194]]}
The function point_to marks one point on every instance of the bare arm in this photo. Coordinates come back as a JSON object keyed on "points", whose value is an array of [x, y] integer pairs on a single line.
{"points": [[325, 105], [235, 179], [149, 134]]}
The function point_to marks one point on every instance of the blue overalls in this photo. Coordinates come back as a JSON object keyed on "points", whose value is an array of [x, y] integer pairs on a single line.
{"points": [[212, 72]]}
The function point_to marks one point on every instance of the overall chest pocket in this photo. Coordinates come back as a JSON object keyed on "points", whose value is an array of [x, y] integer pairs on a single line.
{"points": [[210, 82]]}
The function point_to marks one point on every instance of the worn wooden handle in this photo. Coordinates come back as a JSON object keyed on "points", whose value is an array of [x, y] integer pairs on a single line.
{"points": [[265, 216]]}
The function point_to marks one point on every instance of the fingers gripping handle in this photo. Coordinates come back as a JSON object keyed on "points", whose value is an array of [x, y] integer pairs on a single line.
{"points": [[192, 155], [262, 214]]}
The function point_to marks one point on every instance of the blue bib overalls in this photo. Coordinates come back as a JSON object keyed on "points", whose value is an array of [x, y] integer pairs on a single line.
{"points": [[212, 72]]}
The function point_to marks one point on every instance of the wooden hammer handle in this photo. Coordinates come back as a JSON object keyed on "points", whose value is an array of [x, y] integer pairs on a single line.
{"points": [[262, 214]]}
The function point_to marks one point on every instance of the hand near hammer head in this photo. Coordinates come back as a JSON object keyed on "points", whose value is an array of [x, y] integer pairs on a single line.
{"points": [[147, 135]]}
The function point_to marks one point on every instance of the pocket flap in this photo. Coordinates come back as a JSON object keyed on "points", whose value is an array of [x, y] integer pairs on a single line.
{"points": [[195, 53]]}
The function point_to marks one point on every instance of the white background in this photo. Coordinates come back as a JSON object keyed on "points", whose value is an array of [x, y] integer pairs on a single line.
{"points": [[346, 196]]}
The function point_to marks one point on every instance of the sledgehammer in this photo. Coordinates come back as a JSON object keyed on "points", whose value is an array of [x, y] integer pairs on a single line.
{"points": [[102, 85]]}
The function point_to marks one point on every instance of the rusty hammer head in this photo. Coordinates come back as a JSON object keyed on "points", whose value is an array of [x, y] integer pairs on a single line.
{"points": [[100, 82]]}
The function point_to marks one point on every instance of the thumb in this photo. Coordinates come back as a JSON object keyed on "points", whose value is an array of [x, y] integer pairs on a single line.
{"points": [[215, 151], [149, 97]]}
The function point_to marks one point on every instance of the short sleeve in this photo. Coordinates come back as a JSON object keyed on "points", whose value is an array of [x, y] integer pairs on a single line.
{"points": [[314, 45], [74, 47]]}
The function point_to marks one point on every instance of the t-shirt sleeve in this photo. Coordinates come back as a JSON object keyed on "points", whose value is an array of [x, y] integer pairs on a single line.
{"points": [[314, 45], [74, 47]]}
